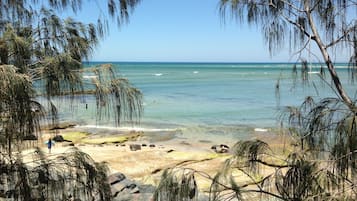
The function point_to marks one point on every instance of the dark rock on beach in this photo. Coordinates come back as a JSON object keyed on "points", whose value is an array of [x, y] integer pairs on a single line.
{"points": [[125, 189], [61, 126], [116, 178], [58, 138], [171, 150], [135, 147], [222, 148]]}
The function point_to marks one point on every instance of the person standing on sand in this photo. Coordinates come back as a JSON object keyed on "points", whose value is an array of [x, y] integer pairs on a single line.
{"points": [[49, 145]]}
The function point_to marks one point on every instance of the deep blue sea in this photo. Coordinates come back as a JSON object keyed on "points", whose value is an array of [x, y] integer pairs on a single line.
{"points": [[210, 99]]}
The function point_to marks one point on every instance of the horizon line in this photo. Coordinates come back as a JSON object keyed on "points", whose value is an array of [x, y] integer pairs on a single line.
{"points": [[212, 62]]}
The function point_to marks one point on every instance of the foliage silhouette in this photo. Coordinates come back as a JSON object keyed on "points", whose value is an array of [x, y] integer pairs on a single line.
{"points": [[322, 165], [41, 55]]}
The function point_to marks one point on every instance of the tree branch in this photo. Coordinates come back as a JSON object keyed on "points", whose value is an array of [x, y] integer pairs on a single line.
{"points": [[327, 58], [340, 38], [270, 164], [298, 26], [265, 192], [293, 6]]}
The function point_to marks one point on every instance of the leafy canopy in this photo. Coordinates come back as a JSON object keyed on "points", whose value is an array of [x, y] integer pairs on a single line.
{"points": [[322, 165], [41, 55], [329, 25]]}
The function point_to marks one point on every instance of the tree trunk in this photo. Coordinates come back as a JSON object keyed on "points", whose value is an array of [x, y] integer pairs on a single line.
{"points": [[326, 56]]}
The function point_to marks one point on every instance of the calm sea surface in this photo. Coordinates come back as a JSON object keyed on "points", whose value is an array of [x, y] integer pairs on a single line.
{"points": [[210, 99]]}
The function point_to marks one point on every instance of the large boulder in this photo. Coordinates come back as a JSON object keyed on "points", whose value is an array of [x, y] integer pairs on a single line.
{"points": [[116, 178], [125, 189], [58, 138]]}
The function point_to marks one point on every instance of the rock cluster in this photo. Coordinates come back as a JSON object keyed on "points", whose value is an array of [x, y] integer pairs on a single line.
{"points": [[125, 189], [135, 147]]}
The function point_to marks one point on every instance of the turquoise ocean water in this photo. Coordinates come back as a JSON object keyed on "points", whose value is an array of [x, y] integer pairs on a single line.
{"points": [[209, 99]]}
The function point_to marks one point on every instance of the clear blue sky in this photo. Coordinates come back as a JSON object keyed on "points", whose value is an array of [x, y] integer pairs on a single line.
{"points": [[181, 30]]}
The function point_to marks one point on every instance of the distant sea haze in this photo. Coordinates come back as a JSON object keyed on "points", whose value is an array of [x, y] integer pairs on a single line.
{"points": [[211, 98]]}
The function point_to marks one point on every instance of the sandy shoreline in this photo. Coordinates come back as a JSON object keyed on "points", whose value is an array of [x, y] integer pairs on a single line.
{"points": [[147, 164]]}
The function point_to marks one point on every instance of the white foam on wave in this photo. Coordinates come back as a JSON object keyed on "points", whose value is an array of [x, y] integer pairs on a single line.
{"points": [[260, 129], [341, 66], [127, 128], [158, 74], [195, 72], [89, 76]]}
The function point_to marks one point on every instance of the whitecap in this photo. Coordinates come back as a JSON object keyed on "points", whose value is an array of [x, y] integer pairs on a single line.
{"points": [[195, 72], [89, 76], [260, 129], [158, 74]]}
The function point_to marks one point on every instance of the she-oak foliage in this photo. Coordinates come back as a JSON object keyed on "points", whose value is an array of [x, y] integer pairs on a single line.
{"points": [[41, 55], [322, 165]]}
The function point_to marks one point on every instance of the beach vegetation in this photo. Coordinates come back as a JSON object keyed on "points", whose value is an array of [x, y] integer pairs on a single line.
{"points": [[322, 160], [41, 55]]}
